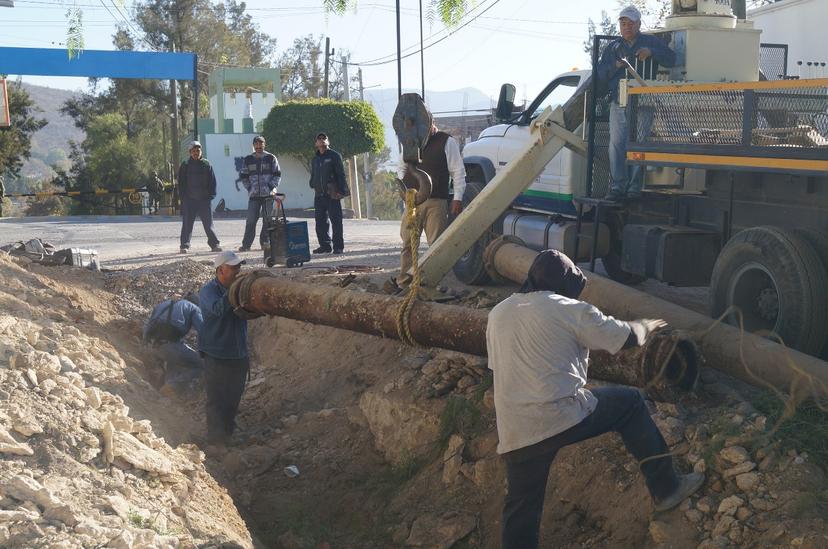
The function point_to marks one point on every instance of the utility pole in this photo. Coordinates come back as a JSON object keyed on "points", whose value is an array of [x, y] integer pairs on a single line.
{"points": [[422, 62], [399, 54], [174, 129], [328, 54], [352, 163], [367, 178]]}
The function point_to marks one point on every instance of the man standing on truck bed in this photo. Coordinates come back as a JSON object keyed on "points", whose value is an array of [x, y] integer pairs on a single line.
{"points": [[632, 46], [442, 161], [538, 342]]}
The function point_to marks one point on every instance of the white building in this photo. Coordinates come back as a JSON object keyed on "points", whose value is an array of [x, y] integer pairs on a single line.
{"points": [[801, 25]]}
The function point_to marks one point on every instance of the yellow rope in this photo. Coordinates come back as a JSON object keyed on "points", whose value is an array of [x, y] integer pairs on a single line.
{"points": [[404, 311]]}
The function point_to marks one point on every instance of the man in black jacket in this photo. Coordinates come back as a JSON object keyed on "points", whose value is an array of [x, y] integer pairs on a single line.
{"points": [[197, 188], [329, 185]]}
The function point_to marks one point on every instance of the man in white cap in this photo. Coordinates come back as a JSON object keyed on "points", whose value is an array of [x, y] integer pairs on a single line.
{"points": [[197, 188], [222, 341], [635, 48]]}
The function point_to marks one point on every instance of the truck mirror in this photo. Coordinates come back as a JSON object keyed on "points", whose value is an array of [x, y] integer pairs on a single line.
{"points": [[506, 102]]}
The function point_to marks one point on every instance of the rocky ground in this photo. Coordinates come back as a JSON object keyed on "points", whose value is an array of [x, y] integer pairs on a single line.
{"points": [[346, 440]]}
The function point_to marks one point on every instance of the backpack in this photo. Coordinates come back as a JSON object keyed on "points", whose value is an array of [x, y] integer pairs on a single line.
{"points": [[163, 331]]}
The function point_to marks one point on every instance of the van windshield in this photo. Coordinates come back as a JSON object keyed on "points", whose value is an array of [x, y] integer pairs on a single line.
{"points": [[557, 93]]}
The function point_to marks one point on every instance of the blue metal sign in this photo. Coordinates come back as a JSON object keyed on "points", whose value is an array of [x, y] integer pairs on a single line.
{"points": [[98, 64]]}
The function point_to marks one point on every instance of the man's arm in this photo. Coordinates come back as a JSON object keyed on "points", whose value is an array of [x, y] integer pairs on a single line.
{"points": [[182, 178], [607, 65], [277, 173], [595, 330], [213, 185], [458, 174], [339, 172], [213, 303], [658, 49]]}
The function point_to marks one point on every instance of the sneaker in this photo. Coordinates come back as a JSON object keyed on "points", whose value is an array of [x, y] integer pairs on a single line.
{"points": [[633, 195], [216, 248], [615, 195], [337, 252], [688, 484], [322, 250], [244, 249], [183, 251]]}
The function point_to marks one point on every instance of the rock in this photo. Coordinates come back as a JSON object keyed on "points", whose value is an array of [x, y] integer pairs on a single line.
{"points": [[402, 427], [724, 525], [747, 482], [659, 531], [66, 364], [488, 399], [743, 467], [125, 540], [440, 532], [694, 516], [62, 513], [729, 505], [26, 426], [734, 454], [18, 515], [290, 420], [93, 397], [28, 489], [31, 375], [743, 513], [671, 428], [8, 445], [700, 466], [119, 505], [705, 505], [118, 444], [486, 471], [453, 459]]}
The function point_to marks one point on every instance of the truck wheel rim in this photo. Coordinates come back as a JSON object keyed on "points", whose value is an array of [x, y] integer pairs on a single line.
{"points": [[754, 291]]}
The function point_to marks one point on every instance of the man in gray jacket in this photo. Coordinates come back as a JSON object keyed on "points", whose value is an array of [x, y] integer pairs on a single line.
{"points": [[260, 175]]}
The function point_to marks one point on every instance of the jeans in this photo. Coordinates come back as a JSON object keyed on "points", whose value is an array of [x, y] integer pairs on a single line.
{"points": [[225, 378], [619, 409], [255, 205], [432, 217], [623, 178], [190, 209], [183, 364], [326, 207]]}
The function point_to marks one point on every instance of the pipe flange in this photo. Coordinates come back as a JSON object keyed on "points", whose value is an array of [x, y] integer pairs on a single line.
{"points": [[491, 251], [670, 362]]}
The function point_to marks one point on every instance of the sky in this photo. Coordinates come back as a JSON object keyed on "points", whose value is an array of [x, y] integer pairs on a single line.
{"points": [[525, 42]]}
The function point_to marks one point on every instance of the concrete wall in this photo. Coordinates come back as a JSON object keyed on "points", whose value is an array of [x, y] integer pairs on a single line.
{"points": [[225, 150], [235, 108], [798, 23]]}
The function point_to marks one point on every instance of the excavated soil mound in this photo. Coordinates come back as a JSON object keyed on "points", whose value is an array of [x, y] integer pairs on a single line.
{"points": [[345, 440]]}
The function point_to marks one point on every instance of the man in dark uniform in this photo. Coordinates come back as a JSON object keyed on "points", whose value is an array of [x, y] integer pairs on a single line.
{"points": [[197, 184], [329, 185]]}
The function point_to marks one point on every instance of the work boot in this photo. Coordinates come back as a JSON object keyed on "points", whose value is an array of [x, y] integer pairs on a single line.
{"points": [[183, 251], [322, 250], [633, 195], [244, 248], [615, 195], [687, 485], [338, 252], [215, 248]]}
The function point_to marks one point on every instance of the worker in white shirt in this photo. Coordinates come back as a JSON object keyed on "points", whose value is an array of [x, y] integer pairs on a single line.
{"points": [[538, 343]]}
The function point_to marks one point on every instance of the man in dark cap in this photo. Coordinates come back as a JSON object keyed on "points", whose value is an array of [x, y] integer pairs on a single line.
{"points": [[538, 343], [329, 186]]}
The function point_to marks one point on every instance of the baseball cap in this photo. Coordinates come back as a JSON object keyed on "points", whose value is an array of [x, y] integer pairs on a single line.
{"points": [[321, 135], [631, 13], [194, 144], [227, 257], [258, 138]]}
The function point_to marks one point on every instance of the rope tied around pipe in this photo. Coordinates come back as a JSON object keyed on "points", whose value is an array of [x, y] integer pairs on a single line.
{"points": [[404, 310]]}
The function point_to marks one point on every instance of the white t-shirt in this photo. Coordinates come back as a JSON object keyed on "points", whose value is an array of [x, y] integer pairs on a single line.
{"points": [[538, 345]]}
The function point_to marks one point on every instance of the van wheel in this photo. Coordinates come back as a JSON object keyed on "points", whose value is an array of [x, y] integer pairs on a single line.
{"points": [[778, 282], [470, 268]]}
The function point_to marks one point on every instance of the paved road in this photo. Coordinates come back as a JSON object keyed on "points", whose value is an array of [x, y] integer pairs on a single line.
{"points": [[128, 241], [123, 241]]}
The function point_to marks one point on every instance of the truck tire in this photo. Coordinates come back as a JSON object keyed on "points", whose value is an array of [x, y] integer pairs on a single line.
{"points": [[470, 268], [778, 282]]}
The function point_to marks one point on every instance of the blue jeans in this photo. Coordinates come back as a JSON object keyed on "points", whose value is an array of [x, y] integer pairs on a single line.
{"points": [[326, 207], [255, 204], [623, 178], [190, 209], [619, 409]]}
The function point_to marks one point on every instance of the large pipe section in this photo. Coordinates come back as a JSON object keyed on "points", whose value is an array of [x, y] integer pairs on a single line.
{"points": [[756, 360], [455, 328]]}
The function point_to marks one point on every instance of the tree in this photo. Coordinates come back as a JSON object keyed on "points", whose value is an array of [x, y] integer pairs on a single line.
{"points": [[449, 11], [302, 68], [353, 127], [16, 140]]}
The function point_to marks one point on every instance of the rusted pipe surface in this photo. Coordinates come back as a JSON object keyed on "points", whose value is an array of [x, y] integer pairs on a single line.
{"points": [[756, 360]]}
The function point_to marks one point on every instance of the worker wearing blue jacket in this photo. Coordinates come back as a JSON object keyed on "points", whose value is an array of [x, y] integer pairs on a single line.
{"points": [[641, 51]]}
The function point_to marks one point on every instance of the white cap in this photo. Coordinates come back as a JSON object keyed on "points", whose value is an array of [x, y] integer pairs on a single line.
{"points": [[631, 13], [227, 257], [194, 144]]}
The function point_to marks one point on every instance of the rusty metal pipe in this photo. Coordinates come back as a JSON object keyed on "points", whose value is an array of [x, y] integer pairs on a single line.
{"points": [[437, 325], [723, 346]]}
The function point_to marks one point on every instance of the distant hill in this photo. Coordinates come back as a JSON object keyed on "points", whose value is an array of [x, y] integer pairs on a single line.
{"points": [[455, 101], [50, 145]]}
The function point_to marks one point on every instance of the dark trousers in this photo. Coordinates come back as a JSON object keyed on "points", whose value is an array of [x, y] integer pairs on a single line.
{"points": [[326, 207], [190, 209], [225, 379], [182, 364], [619, 409], [255, 206]]}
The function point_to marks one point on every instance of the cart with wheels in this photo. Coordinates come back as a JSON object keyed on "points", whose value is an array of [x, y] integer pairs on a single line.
{"points": [[288, 240]]}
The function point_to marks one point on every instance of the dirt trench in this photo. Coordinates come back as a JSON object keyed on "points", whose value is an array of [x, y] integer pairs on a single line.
{"points": [[395, 446]]}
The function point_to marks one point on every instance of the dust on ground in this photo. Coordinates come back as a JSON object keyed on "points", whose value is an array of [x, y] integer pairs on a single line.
{"points": [[394, 446]]}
